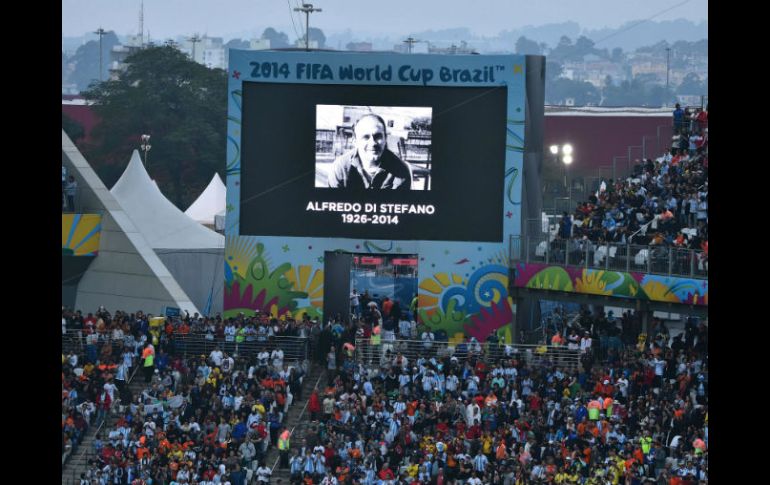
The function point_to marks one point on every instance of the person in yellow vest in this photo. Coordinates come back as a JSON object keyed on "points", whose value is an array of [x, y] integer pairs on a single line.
{"points": [[148, 355], [594, 407], [374, 342], [646, 442], [608, 402], [283, 447]]}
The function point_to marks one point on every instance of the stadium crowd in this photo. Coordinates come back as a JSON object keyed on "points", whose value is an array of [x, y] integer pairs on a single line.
{"points": [[635, 413], [204, 419], [664, 202], [639, 415]]}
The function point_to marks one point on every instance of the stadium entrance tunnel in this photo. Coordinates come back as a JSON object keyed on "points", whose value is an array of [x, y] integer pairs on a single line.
{"points": [[374, 277]]}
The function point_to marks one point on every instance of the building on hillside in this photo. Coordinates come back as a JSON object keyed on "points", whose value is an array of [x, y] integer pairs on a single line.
{"points": [[463, 48], [259, 44], [419, 47], [359, 46], [208, 51], [593, 69], [300, 44], [118, 56]]}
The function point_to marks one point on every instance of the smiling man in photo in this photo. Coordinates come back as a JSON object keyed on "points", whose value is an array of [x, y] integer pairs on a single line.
{"points": [[370, 165]]}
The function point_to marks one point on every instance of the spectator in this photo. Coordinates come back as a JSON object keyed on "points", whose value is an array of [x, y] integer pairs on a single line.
{"points": [[70, 191], [678, 119]]}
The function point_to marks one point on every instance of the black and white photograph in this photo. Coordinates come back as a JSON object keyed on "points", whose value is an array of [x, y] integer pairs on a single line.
{"points": [[373, 147]]}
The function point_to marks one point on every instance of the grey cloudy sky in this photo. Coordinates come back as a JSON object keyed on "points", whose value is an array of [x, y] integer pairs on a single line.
{"points": [[170, 18]]}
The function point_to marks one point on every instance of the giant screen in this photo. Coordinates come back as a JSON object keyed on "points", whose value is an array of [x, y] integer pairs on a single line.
{"points": [[381, 153], [302, 171]]}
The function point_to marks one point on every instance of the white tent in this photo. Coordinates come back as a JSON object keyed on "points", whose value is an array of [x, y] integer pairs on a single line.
{"points": [[193, 254], [210, 203]]}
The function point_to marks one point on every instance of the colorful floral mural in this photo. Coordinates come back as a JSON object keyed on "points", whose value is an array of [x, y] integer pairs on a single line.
{"points": [[80, 234], [661, 288]]}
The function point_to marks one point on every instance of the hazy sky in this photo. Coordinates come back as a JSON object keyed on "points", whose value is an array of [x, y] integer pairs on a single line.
{"points": [[170, 18]]}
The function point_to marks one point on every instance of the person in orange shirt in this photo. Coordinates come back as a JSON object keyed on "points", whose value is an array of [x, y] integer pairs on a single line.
{"points": [[387, 306], [557, 339], [501, 453], [491, 399], [142, 452]]}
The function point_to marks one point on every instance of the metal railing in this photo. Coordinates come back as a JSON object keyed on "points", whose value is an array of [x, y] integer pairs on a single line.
{"points": [[662, 260], [386, 352], [294, 348]]}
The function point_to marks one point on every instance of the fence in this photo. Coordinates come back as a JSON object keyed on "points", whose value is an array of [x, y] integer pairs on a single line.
{"points": [[534, 355], [663, 260], [294, 348]]}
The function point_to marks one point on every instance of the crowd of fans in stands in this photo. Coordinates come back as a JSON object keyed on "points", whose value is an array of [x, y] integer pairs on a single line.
{"points": [[201, 419], [629, 413], [639, 414], [664, 202]]}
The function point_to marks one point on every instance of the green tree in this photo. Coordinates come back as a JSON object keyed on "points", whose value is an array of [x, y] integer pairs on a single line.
{"points": [[237, 44], [643, 90], [583, 93], [277, 39], [182, 105], [552, 70], [86, 60], [583, 47], [527, 46], [563, 50], [317, 35], [691, 84]]}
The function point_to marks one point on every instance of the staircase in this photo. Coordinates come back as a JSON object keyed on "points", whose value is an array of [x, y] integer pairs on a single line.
{"points": [[297, 421], [77, 462]]}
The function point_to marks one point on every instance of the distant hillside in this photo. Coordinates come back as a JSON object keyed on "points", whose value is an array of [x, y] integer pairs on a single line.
{"points": [[629, 36], [647, 33]]}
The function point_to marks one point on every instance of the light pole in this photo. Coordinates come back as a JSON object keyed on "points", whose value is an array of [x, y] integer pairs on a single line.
{"points": [[668, 63], [307, 8], [563, 154], [100, 32], [145, 146]]}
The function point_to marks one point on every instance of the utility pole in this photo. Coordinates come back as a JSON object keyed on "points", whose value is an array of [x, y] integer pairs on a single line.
{"points": [[141, 25], [194, 39], [307, 8], [409, 43], [100, 32], [668, 62]]}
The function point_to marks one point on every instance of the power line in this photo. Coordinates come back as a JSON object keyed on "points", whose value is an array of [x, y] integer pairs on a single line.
{"points": [[291, 14], [642, 21]]}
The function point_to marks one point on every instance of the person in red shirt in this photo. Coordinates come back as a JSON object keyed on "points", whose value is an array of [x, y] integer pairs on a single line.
{"points": [[386, 473], [387, 306], [534, 402], [314, 406]]}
